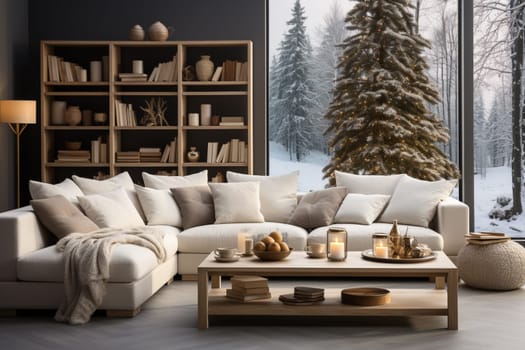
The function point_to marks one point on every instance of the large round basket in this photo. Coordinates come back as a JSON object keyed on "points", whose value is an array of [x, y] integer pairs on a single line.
{"points": [[272, 256]]}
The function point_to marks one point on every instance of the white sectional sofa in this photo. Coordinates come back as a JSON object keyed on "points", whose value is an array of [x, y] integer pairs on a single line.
{"points": [[31, 270]]}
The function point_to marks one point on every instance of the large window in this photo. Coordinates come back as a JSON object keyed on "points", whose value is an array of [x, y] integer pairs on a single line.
{"points": [[498, 116], [315, 29]]}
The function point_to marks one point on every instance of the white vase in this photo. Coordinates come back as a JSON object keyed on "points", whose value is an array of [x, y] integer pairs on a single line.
{"points": [[206, 114], [58, 112], [95, 71], [204, 68]]}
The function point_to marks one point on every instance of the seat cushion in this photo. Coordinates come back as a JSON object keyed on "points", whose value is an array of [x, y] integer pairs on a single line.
{"points": [[204, 239], [128, 262], [360, 236]]}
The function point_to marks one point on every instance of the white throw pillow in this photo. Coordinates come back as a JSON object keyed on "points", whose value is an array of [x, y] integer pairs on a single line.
{"points": [[368, 184], [67, 188], [236, 202], [278, 193], [159, 206], [122, 180], [163, 182], [111, 209], [414, 201], [92, 186], [360, 208]]}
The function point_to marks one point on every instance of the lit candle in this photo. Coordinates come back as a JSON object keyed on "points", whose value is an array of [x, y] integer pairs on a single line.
{"points": [[241, 237], [337, 250], [381, 251]]}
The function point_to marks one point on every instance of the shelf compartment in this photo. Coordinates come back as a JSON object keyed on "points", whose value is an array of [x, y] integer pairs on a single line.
{"points": [[146, 165], [213, 165], [148, 128], [222, 128], [76, 164], [215, 93], [77, 93], [76, 128], [146, 93]]}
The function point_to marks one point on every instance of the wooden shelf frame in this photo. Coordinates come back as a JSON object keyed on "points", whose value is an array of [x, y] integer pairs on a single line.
{"points": [[179, 92]]}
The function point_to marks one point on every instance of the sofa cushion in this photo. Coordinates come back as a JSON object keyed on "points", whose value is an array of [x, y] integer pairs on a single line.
{"points": [[128, 262], [61, 217], [236, 202], [318, 208], [414, 201], [360, 208], [111, 209], [67, 188], [360, 236], [204, 239], [195, 204], [159, 206], [163, 182], [278, 193], [368, 184]]}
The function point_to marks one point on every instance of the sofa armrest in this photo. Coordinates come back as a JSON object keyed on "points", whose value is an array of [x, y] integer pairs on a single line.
{"points": [[452, 224], [20, 233]]}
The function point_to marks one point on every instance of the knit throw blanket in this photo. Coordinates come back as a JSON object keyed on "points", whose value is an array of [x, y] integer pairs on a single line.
{"points": [[87, 257]]}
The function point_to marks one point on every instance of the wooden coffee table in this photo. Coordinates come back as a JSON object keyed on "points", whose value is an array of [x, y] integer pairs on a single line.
{"points": [[405, 302]]}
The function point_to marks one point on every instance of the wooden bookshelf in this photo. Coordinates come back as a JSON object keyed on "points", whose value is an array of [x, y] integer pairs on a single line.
{"points": [[226, 97]]}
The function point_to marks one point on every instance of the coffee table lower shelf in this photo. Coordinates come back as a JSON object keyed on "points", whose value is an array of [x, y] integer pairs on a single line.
{"points": [[405, 302]]}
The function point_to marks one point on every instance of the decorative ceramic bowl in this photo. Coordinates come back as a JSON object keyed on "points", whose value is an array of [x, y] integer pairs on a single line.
{"points": [[272, 256], [73, 145], [365, 296]]}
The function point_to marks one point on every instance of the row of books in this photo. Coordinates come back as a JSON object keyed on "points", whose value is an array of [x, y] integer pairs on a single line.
{"points": [[150, 154], [62, 71], [231, 71], [247, 288], [99, 151], [125, 114], [165, 71], [234, 151]]}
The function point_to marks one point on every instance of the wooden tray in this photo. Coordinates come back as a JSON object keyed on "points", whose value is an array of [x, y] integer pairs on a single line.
{"points": [[369, 255], [365, 296]]}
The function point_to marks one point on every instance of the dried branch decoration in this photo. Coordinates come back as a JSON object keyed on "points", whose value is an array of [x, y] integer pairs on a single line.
{"points": [[154, 112]]}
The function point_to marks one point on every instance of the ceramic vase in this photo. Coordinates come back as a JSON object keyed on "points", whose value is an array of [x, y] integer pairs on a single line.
{"points": [[136, 33], [158, 32], [58, 112], [193, 155], [204, 68], [73, 116]]}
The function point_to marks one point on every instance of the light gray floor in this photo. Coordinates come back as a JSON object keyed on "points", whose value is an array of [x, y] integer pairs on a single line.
{"points": [[487, 320]]}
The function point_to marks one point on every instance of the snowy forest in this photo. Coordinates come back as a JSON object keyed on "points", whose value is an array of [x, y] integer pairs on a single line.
{"points": [[304, 69]]}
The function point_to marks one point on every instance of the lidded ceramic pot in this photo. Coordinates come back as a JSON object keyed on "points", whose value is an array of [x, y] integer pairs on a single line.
{"points": [[136, 33], [158, 32]]}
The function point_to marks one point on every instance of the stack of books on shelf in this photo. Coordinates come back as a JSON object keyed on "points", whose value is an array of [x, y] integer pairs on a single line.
{"points": [[80, 156], [231, 71], [132, 77], [303, 296], [128, 157], [150, 154], [235, 151], [62, 71], [169, 155], [99, 151], [124, 114], [247, 288], [232, 121], [166, 71]]}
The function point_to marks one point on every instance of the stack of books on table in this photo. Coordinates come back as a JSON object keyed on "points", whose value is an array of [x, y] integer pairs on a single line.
{"points": [[132, 77], [150, 155], [247, 288], [482, 238], [128, 157], [79, 156], [303, 296]]}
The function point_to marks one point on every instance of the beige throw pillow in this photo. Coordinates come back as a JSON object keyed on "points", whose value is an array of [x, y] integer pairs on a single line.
{"points": [[195, 204], [163, 182], [236, 202], [368, 184], [159, 206], [318, 208], [360, 208], [278, 194], [61, 217], [67, 188]]}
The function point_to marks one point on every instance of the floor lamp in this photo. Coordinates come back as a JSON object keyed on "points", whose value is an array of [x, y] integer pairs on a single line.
{"points": [[17, 114]]}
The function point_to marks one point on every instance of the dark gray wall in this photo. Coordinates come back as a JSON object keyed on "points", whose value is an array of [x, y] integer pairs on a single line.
{"points": [[111, 20], [13, 50]]}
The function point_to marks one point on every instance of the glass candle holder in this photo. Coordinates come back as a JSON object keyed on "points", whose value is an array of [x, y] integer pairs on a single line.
{"points": [[336, 243], [380, 245]]}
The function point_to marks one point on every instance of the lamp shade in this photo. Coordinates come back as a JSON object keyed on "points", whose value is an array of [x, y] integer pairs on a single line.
{"points": [[17, 111]]}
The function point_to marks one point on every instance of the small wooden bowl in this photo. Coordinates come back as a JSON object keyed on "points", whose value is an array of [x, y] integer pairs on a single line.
{"points": [[365, 296], [73, 145], [272, 256]]}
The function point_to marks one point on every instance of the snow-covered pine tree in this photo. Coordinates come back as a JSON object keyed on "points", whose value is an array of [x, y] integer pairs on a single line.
{"points": [[379, 112], [480, 137], [294, 122], [274, 99], [325, 72]]}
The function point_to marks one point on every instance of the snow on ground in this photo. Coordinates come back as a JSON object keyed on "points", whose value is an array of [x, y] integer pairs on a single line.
{"points": [[496, 183]]}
